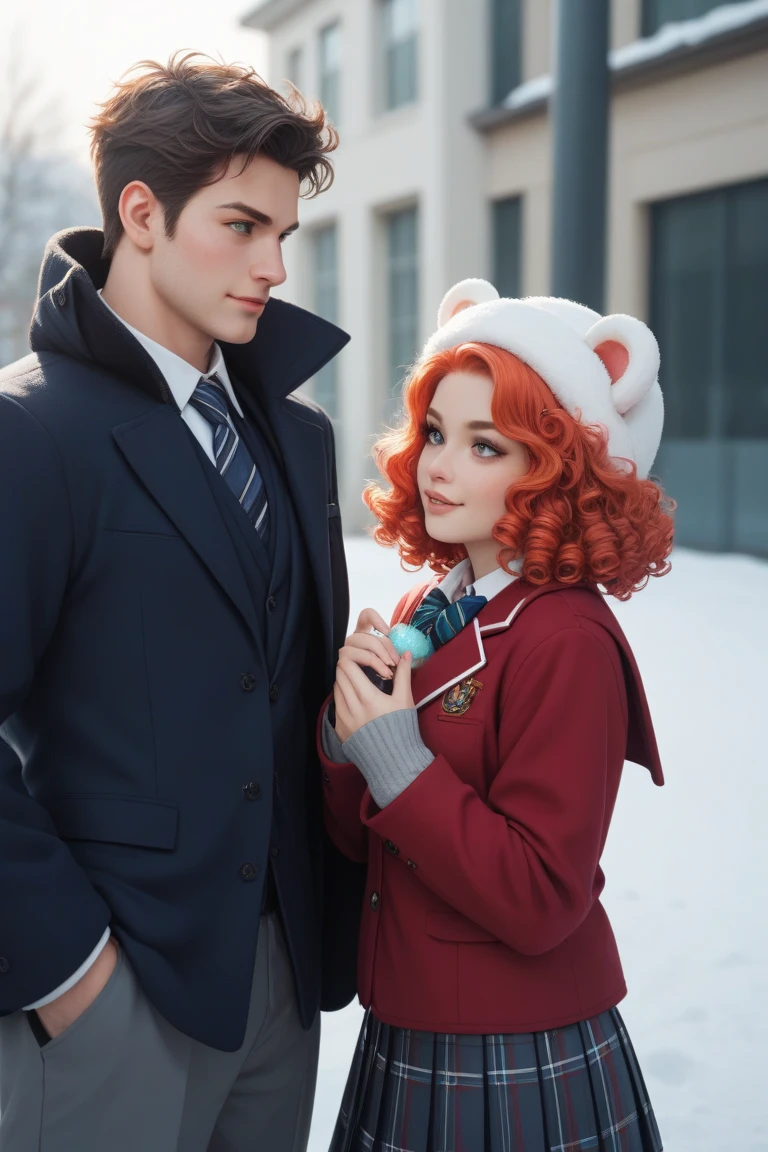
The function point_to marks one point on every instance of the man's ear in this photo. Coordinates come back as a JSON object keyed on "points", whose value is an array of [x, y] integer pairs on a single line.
{"points": [[138, 207]]}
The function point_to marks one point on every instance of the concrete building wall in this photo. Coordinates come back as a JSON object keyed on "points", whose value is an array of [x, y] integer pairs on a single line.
{"points": [[701, 130], [687, 133], [670, 135], [539, 19], [426, 154]]}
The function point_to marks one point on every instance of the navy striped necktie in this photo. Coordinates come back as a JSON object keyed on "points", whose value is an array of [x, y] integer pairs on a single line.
{"points": [[441, 620], [233, 460]]}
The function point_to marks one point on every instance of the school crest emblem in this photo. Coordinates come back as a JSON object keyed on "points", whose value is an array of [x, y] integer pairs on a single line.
{"points": [[459, 696]]}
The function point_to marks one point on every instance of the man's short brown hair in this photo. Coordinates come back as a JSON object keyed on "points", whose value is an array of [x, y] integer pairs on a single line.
{"points": [[177, 127]]}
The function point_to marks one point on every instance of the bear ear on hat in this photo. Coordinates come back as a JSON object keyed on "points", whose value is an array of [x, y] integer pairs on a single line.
{"points": [[630, 355], [463, 295]]}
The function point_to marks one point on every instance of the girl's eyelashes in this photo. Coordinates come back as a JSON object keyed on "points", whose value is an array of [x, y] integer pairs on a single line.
{"points": [[431, 431], [490, 447]]}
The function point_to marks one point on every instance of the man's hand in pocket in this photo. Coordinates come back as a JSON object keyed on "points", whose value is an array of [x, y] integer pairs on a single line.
{"points": [[57, 1016]]}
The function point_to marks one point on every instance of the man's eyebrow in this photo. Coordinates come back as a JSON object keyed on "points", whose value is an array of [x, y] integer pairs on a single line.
{"points": [[259, 217], [473, 425]]}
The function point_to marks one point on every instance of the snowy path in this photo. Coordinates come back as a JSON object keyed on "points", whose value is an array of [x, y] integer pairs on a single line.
{"points": [[686, 865]]}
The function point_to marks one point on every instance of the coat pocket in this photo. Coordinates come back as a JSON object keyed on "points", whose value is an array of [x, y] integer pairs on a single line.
{"points": [[132, 820], [454, 927]]}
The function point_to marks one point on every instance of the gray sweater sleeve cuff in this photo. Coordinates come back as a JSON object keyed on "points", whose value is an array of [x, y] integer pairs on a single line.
{"points": [[389, 752], [331, 744]]}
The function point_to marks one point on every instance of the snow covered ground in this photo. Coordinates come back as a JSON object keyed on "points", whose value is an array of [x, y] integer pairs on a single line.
{"points": [[686, 865]]}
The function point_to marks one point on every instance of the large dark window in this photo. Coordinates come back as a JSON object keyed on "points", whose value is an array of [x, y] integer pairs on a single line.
{"points": [[402, 240], [326, 284], [506, 47], [507, 245], [659, 12], [709, 293]]}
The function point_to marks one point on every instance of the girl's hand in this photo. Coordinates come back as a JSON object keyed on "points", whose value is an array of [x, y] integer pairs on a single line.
{"points": [[369, 651], [356, 699]]}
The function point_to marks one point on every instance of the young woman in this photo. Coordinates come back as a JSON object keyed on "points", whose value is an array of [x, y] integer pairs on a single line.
{"points": [[480, 791]]}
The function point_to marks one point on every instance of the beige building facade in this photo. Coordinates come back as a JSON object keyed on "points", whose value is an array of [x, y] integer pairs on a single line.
{"points": [[688, 161]]}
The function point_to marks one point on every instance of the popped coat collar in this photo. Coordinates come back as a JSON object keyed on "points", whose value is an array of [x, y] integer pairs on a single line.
{"points": [[289, 347], [465, 655]]}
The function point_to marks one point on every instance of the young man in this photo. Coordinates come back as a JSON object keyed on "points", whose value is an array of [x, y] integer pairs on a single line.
{"points": [[172, 597]]}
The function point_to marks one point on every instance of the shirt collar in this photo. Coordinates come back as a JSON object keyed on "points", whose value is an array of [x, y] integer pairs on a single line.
{"points": [[459, 580], [181, 377]]}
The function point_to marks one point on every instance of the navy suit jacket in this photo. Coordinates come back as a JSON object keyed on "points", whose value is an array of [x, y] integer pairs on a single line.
{"points": [[126, 628]]}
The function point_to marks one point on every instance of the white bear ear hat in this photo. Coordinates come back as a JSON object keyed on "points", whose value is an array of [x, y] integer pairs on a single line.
{"points": [[602, 369]]}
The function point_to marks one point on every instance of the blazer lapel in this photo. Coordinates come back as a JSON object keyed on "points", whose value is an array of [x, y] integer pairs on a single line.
{"points": [[464, 655], [460, 657], [159, 450], [302, 451]]}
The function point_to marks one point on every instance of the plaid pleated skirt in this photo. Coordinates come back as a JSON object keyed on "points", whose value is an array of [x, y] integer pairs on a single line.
{"points": [[567, 1089]]}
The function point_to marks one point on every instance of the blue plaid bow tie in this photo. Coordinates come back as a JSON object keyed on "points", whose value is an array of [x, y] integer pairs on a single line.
{"points": [[233, 459], [440, 620]]}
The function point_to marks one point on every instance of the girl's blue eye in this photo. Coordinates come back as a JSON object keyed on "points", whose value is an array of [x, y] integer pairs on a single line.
{"points": [[246, 225], [431, 433], [492, 450]]}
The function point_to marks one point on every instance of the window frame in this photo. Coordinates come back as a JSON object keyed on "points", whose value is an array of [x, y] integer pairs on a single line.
{"points": [[397, 358], [328, 76], [652, 20], [385, 101], [325, 383]]}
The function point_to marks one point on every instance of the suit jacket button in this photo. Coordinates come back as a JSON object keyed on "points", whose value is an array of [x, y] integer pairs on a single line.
{"points": [[247, 682], [248, 871], [410, 864], [375, 901], [271, 604], [390, 847], [326, 777], [274, 692], [4, 966], [61, 299], [252, 790]]}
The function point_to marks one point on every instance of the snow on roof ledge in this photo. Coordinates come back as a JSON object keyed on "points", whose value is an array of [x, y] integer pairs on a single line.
{"points": [[689, 33], [669, 38]]}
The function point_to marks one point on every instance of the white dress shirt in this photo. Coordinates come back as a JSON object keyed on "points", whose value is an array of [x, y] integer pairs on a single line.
{"points": [[182, 378], [458, 582]]}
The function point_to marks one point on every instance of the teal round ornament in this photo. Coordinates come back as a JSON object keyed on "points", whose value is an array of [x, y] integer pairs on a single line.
{"points": [[406, 638]]}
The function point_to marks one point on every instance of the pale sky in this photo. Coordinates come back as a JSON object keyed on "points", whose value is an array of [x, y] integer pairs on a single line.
{"points": [[79, 47]]}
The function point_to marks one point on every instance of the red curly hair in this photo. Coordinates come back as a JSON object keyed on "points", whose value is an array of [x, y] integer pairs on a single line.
{"points": [[574, 516]]}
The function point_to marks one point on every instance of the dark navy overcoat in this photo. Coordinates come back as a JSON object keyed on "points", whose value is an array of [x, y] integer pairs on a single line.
{"points": [[134, 692]]}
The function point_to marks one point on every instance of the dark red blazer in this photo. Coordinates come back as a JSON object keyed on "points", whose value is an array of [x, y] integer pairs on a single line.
{"points": [[482, 908]]}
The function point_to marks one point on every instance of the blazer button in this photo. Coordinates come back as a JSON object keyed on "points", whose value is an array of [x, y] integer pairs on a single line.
{"points": [[4, 966], [248, 871], [326, 777], [247, 682], [390, 847], [271, 604], [274, 853], [61, 299], [411, 864], [375, 901], [252, 790], [274, 692]]}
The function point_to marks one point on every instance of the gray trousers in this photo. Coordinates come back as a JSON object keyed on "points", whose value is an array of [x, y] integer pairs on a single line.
{"points": [[122, 1079]]}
